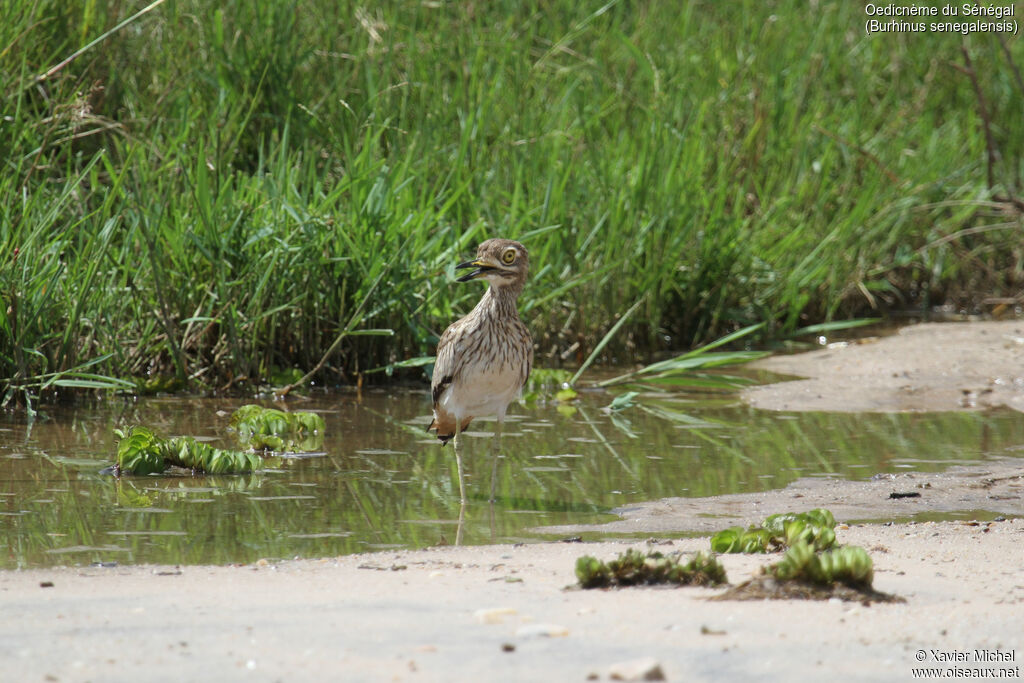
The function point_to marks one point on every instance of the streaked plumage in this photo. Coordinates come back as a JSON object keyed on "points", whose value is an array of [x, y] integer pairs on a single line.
{"points": [[483, 359]]}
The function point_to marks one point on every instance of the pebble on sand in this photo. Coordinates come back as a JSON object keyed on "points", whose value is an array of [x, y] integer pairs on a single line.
{"points": [[493, 615], [644, 669], [544, 630]]}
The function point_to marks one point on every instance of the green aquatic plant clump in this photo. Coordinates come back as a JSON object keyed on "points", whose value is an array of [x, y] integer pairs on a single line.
{"points": [[815, 527], [813, 567], [633, 568], [739, 540], [140, 451], [269, 429], [184, 451], [849, 565], [549, 384]]}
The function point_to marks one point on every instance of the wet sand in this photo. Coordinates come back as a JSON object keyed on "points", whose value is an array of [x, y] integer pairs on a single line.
{"points": [[927, 367], [987, 490], [504, 613]]}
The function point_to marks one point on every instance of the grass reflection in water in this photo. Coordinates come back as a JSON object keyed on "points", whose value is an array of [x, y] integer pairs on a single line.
{"points": [[383, 482]]}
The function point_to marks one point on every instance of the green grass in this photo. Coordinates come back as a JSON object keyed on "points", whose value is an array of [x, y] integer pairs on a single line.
{"points": [[216, 191]]}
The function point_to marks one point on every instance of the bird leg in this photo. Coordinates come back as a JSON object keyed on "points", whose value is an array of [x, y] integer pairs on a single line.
{"points": [[462, 484], [458, 460], [496, 447], [462, 523]]}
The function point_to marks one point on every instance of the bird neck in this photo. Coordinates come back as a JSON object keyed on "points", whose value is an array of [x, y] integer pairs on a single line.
{"points": [[501, 300]]}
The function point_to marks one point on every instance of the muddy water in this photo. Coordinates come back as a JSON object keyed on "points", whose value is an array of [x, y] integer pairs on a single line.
{"points": [[382, 482]]}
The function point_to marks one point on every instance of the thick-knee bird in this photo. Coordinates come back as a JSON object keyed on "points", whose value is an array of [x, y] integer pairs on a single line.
{"points": [[483, 359]]}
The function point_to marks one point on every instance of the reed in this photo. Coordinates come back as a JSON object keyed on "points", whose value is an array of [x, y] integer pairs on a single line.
{"points": [[210, 192]]}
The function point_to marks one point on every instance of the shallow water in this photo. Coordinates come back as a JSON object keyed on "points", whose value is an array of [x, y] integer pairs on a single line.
{"points": [[383, 482]]}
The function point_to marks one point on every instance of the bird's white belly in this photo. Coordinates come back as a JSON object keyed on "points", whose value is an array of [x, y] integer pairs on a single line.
{"points": [[481, 393]]}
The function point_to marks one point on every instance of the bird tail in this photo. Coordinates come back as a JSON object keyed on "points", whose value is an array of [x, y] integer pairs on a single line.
{"points": [[446, 428]]}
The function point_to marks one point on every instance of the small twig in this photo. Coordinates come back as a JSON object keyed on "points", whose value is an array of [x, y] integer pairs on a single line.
{"points": [[983, 112], [1013, 65], [1020, 86]]}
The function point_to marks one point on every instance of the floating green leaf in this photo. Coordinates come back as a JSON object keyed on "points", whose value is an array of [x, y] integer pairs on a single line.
{"points": [[270, 429], [622, 401], [140, 451], [184, 451], [547, 379], [546, 384], [697, 359], [566, 395]]}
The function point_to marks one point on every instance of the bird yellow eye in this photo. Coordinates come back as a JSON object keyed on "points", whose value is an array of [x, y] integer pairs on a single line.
{"points": [[508, 257]]}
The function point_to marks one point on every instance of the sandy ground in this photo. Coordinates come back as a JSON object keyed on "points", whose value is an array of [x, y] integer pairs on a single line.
{"points": [[995, 487], [504, 613], [928, 367]]}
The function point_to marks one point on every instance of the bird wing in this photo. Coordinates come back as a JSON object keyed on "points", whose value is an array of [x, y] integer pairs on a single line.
{"points": [[444, 364], [529, 361]]}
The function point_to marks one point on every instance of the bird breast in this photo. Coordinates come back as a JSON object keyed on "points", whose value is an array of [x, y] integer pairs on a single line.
{"points": [[493, 358]]}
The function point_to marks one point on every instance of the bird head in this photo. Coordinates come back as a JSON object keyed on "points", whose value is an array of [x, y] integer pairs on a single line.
{"points": [[501, 262]]}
